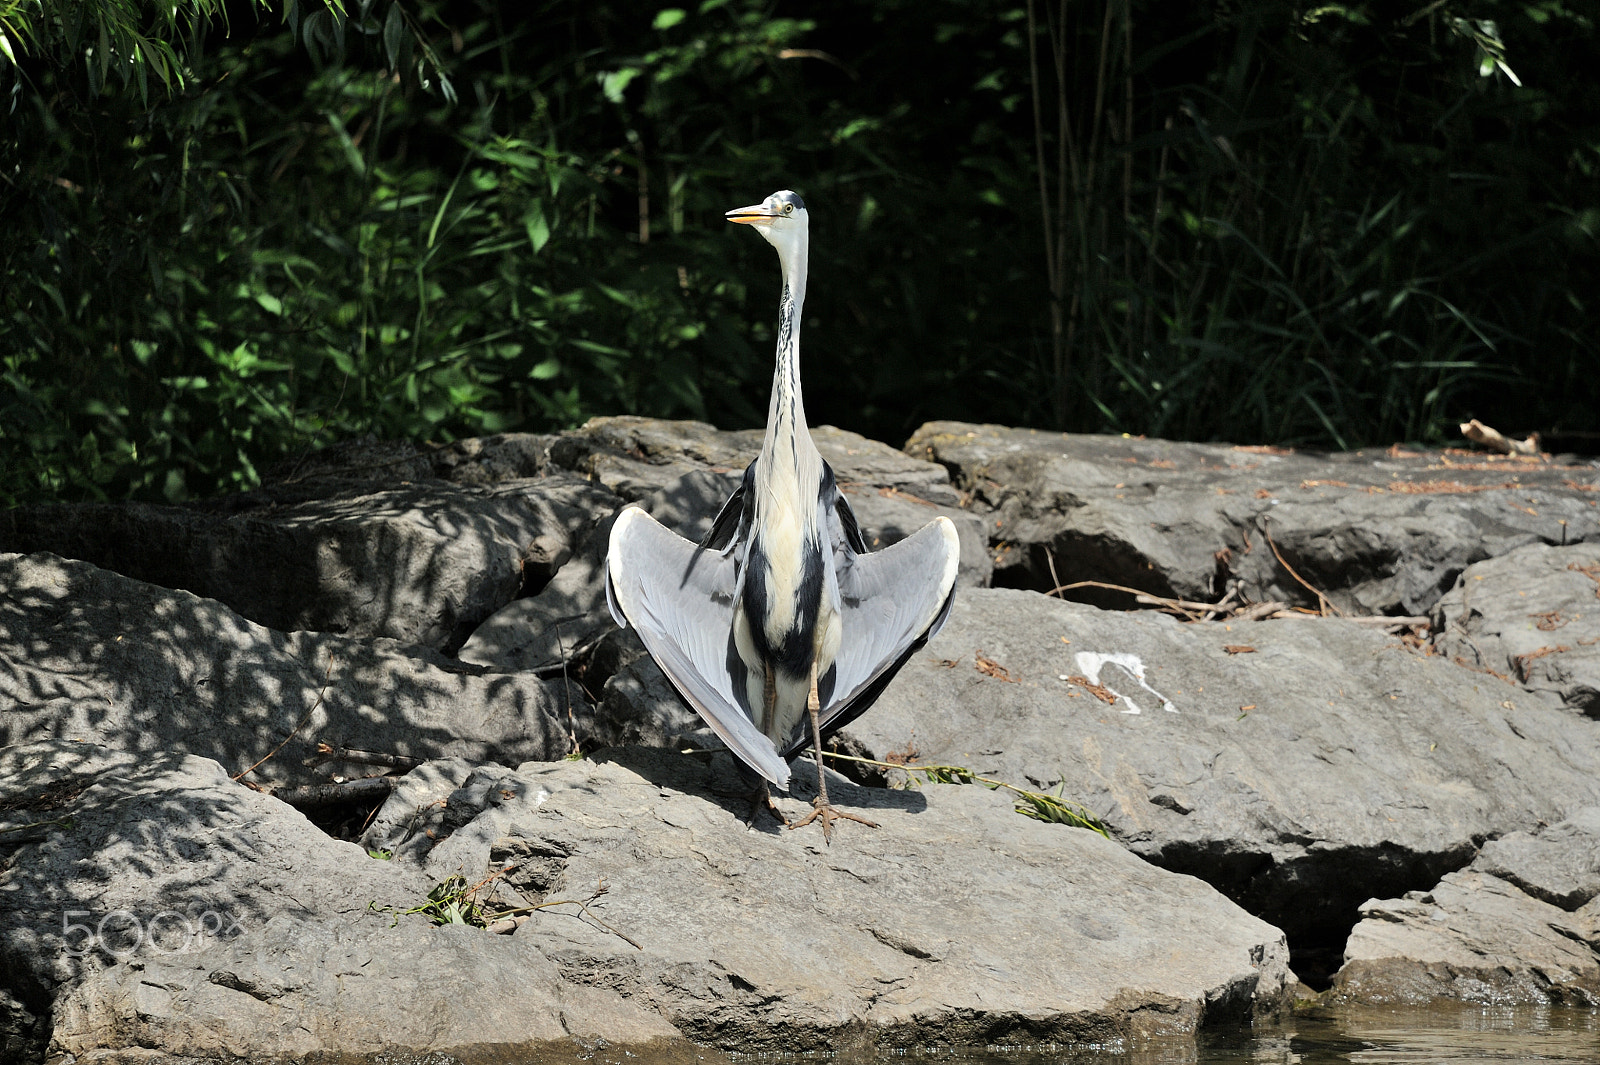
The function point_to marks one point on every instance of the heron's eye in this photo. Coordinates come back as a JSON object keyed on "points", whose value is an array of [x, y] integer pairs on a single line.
{"points": [[788, 208]]}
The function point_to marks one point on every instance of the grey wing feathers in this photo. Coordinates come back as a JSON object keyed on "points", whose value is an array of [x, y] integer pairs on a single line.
{"points": [[680, 598], [892, 601]]}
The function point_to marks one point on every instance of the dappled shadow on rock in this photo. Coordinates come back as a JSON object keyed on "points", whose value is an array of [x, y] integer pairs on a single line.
{"points": [[419, 563], [90, 655], [169, 909], [153, 855]]}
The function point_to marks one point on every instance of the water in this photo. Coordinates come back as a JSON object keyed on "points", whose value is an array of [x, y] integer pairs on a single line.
{"points": [[1433, 1035]]}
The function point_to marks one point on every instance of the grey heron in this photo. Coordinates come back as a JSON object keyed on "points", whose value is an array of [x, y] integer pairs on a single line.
{"points": [[781, 617]]}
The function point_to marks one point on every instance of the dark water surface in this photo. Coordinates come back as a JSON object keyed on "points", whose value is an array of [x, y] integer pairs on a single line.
{"points": [[1434, 1035]]}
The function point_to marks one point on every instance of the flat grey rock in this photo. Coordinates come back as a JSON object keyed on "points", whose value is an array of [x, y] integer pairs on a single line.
{"points": [[97, 656], [1560, 865], [956, 922], [173, 915], [1378, 532], [1300, 774], [1521, 924], [422, 564], [1533, 616]]}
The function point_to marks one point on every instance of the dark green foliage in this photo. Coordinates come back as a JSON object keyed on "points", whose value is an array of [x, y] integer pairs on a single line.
{"points": [[433, 220]]}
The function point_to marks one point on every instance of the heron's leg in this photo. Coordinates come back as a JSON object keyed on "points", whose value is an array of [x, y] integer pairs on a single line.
{"points": [[762, 796], [821, 808]]}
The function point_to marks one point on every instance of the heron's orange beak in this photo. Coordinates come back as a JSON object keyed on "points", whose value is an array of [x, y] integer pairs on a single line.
{"points": [[758, 215]]}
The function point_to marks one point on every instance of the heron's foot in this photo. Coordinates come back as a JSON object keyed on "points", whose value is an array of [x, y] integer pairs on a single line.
{"points": [[827, 813], [762, 800]]}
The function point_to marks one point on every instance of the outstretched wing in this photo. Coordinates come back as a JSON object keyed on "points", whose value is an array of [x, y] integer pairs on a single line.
{"points": [[892, 602], [679, 597]]}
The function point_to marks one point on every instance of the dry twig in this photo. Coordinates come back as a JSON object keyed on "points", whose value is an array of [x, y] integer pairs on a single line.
{"points": [[327, 753], [1479, 433], [1327, 604]]}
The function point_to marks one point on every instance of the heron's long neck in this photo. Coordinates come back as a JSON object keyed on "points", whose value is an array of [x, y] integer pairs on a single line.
{"points": [[787, 434]]}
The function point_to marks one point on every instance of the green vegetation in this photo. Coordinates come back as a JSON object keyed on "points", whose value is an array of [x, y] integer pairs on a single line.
{"points": [[1039, 805], [237, 231]]}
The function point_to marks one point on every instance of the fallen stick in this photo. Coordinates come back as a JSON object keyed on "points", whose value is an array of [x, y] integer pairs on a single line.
{"points": [[1258, 611], [1326, 603], [1181, 604], [1377, 620], [506, 925], [327, 753], [1223, 605], [1479, 433], [367, 788]]}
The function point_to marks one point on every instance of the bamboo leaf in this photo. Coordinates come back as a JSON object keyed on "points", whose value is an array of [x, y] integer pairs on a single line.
{"points": [[394, 29]]}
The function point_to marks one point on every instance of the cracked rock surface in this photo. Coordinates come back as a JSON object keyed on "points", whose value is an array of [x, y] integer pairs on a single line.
{"points": [[1533, 616], [1379, 532], [957, 921], [1434, 789], [1295, 764], [170, 909], [1521, 924]]}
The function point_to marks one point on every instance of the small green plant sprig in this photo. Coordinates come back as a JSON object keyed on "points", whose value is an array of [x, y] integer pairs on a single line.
{"points": [[454, 901], [1040, 805]]}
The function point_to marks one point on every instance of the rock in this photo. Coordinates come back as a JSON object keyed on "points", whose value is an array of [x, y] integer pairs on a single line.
{"points": [[421, 564], [22, 1035], [1521, 924], [354, 466], [1561, 865], [492, 459], [172, 914], [567, 616], [682, 473], [1301, 767], [1378, 532], [639, 706], [1533, 615], [100, 657], [956, 922], [425, 788]]}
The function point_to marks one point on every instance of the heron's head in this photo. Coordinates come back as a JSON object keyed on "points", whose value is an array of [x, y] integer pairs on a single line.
{"points": [[781, 218]]}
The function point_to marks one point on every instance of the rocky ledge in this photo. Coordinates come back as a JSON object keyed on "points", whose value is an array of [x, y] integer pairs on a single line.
{"points": [[301, 773]]}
